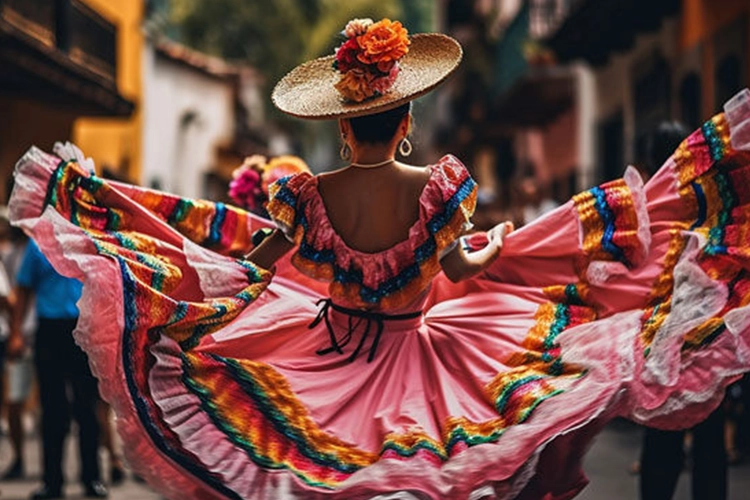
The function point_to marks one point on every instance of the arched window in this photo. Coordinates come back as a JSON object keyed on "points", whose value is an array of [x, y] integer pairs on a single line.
{"points": [[728, 79], [690, 100]]}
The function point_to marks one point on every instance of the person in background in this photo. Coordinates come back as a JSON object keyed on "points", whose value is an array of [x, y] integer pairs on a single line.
{"points": [[7, 301], [735, 405], [663, 453], [19, 370], [535, 201], [107, 441], [59, 363]]}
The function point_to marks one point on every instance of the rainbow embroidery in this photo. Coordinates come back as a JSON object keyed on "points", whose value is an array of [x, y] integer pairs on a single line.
{"points": [[712, 184], [254, 406], [660, 297], [531, 379], [250, 402], [609, 223]]}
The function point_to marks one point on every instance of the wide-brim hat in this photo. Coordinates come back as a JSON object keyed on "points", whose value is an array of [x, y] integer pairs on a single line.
{"points": [[308, 90]]}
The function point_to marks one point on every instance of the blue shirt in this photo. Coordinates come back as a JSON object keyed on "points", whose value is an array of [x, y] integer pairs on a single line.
{"points": [[56, 295]]}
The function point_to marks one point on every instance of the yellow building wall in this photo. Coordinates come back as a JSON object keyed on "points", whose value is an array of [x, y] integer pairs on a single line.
{"points": [[117, 143]]}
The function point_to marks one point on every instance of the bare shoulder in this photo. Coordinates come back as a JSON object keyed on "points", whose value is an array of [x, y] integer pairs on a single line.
{"points": [[415, 174]]}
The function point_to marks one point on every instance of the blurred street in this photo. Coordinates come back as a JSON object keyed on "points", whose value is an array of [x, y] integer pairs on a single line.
{"points": [[130, 489], [607, 465]]}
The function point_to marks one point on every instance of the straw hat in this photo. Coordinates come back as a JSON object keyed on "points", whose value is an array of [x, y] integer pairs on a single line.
{"points": [[308, 90]]}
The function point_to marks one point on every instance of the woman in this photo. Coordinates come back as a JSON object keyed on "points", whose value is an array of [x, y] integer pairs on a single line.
{"points": [[361, 369]]}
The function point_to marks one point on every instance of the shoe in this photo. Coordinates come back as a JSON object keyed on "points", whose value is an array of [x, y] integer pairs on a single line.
{"points": [[15, 471], [116, 475], [734, 457], [95, 489], [46, 492]]}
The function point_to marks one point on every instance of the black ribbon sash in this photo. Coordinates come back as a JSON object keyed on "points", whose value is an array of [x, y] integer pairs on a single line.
{"points": [[356, 317]]}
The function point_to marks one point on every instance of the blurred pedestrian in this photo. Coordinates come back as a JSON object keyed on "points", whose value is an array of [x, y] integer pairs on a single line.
{"points": [[59, 364], [6, 306], [663, 452], [19, 371], [107, 441], [535, 200], [736, 405]]}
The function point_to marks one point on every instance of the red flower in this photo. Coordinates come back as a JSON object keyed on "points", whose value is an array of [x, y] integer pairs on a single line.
{"points": [[346, 55]]}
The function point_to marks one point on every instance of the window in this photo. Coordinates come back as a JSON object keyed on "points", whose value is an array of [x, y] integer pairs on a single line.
{"points": [[690, 100], [728, 79]]}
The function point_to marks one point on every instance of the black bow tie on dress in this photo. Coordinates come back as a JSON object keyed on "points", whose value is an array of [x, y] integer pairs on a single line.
{"points": [[360, 316]]}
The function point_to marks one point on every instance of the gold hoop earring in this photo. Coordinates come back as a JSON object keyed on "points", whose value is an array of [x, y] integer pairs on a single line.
{"points": [[405, 147], [345, 152]]}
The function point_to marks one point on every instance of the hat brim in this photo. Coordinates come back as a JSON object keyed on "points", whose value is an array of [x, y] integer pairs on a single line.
{"points": [[308, 90]]}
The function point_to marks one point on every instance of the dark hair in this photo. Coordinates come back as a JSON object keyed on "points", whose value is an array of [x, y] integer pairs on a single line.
{"points": [[663, 142], [380, 127]]}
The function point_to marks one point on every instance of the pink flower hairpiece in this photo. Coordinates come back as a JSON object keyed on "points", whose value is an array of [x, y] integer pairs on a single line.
{"points": [[245, 189], [368, 59], [250, 181]]}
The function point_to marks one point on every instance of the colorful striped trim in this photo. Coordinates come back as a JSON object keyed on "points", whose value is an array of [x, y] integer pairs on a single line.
{"points": [[738, 296], [697, 154], [713, 183], [531, 380], [425, 255], [609, 223], [660, 298], [249, 402], [282, 200]]}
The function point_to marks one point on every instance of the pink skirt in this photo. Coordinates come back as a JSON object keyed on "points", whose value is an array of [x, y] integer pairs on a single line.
{"points": [[628, 301]]}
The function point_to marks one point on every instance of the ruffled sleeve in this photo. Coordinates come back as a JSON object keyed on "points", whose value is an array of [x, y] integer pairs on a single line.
{"points": [[448, 204], [286, 203]]}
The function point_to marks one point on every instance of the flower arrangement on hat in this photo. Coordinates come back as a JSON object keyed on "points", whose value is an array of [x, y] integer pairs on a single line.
{"points": [[250, 181], [368, 59]]}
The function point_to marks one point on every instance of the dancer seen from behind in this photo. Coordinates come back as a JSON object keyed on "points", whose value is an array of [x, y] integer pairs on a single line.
{"points": [[369, 346]]}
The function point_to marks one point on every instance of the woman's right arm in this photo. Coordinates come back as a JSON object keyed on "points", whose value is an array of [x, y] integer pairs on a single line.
{"points": [[271, 249], [459, 265]]}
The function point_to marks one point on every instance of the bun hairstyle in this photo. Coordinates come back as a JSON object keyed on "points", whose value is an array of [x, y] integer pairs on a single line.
{"points": [[380, 127]]}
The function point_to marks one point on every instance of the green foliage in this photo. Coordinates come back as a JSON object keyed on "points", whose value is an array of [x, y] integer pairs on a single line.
{"points": [[265, 34]]}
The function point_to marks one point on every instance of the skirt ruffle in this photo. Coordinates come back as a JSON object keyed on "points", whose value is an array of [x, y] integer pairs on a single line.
{"points": [[626, 301]]}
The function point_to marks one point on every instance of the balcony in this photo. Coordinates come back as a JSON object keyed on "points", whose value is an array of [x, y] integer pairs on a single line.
{"points": [[62, 52], [595, 29]]}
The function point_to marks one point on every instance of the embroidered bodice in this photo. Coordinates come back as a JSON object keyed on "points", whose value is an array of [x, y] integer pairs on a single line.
{"points": [[384, 280]]}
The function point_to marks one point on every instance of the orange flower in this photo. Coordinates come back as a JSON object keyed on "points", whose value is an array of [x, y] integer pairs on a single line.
{"points": [[384, 43], [355, 85]]}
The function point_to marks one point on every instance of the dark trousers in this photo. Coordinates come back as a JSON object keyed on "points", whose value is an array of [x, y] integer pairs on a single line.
{"points": [[663, 457], [66, 386]]}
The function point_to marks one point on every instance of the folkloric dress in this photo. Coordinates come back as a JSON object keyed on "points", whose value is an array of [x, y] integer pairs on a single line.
{"points": [[350, 375]]}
